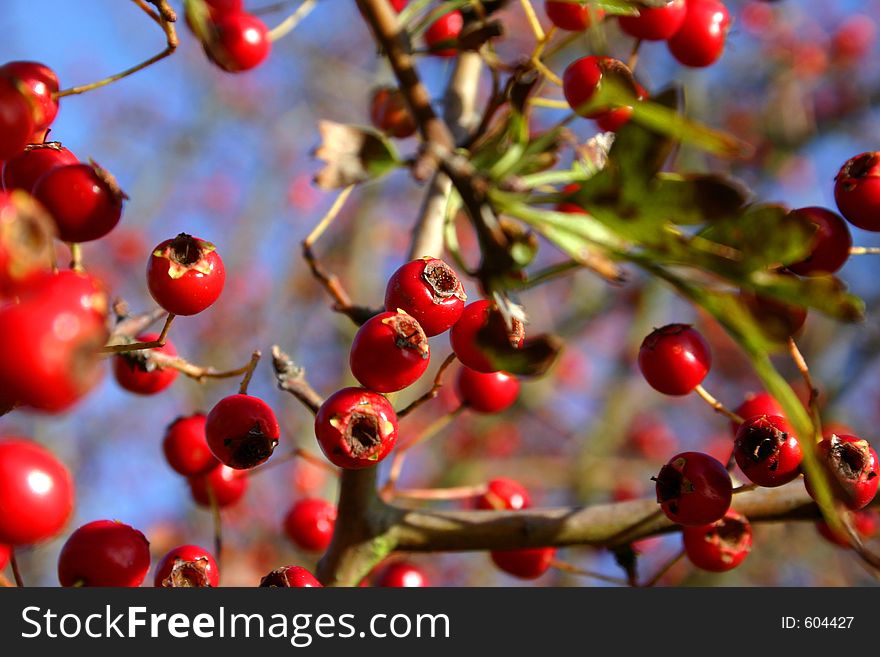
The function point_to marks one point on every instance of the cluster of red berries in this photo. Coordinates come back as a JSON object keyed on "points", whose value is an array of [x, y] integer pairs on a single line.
{"points": [[232, 38]]}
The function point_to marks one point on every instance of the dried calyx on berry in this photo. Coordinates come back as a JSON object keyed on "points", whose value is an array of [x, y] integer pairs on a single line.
{"points": [[188, 574], [186, 253], [290, 577], [767, 451], [853, 466], [356, 428]]}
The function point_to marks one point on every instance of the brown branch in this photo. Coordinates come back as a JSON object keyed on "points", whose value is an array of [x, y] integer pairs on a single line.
{"points": [[433, 392], [293, 380], [716, 405], [330, 282]]}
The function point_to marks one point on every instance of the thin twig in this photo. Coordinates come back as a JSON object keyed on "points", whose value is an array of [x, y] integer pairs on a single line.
{"points": [[217, 521], [441, 494], [16, 573], [865, 250], [140, 346], [249, 372], [717, 406], [566, 567], [813, 403], [292, 379], [76, 261], [198, 373], [665, 568], [288, 24], [433, 392], [296, 453], [634, 55]]}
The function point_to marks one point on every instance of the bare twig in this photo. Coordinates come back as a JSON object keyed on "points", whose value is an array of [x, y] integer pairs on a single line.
{"points": [[716, 405], [140, 346], [665, 568], [16, 573], [293, 380], [433, 392], [249, 372], [566, 567], [288, 24]]}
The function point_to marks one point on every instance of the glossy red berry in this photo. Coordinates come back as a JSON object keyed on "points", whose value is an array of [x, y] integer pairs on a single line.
{"points": [[40, 83], [25, 169], [525, 564], [228, 486], [430, 291], [402, 574], [571, 16], [767, 451], [187, 566], [16, 118], [700, 39], [398, 5], [674, 359], [655, 23], [290, 577], [569, 206], [356, 428], [503, 494], [239, 42], [390, 113], [80, 290], [309, 524], [486, 392], [853, 467], [857, 191], [242, 431], [719, 546], [481, 332], [36, 493], [185, 275], [135, 372], [186, 448], [694, 489], [84, 200], [104, 553], [441, 37], [760, 403], [26, 240], [389, 352], [581, 81], [864, 522], [830, 246]]}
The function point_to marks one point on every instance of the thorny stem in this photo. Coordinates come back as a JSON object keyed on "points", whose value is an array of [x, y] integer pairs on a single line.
{"points": [[16, 573], [249, 372], [140, 346], [717, 405], [571, 569], [433, 392], [289, 24]]}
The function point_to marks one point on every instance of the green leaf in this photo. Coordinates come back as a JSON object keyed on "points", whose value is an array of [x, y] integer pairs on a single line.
{"points": [[695, 199]]}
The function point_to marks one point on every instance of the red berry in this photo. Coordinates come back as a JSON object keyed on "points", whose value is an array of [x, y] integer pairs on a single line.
{"points": [[356, 428], [720, 546], [700, 39], [480, 332], [290, 577], [26, 240], [694, 489], [185, 275], [186, 448], [5, 554], [830, 246], [486, 393], [441, 37], [40, 83], [309, 524], [239, 42], [761, 403], [36, 493], [570, 207], [398, 5], [655, 23], [242, 431], [854, 38], [25, 169], [581, 81], [651, 438], [135, 372], [852, 465], [430, 291], [767, 451], [857, 191], [104, 553], [216, 9], [674, 359], [16, 118], [864, 522], [187, 566], [525, 564], [402, 574], [389, 352], [503, 494], [228, 486], [80, 290], [390, 113], [571, 16], [83, 199]]}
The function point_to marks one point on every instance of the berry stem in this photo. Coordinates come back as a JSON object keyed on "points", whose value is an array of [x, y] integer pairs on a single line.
{"points": [[662, 570], [293, 380], [813, 403], [269, 9], [289, 23], [76, 262], [634, 55], [433, 392], [549, 102], [196, 372], [16, 573], [249, 372], [717, 405], [865, 250], [217, 521], [533, 21], [140, 346], [571, 569], [328, 218], [455, 493], [298, 453]]}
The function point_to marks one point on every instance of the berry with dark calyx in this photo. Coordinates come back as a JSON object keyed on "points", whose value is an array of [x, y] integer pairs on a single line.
{"points": [[700, 40], [390, 352], [767, 451], [40, 84], [228, 486], [480, 331], [186, 448], [486, 392], [694, 489], [16, 118], [857, 191], [185, 275], [674, 359], [187, 566], [442, 35], [242, 431], [137, 373], [104, 553], [503, 494], [655, 23], [26, 240], [309, 524], [238, 42], [290, 577], [571, 16], [402, 574], [25, 169], [430, 291], [390, 113], [84, 200], [760, 403], [830, 246], [356, 428], [719, 546], [864, 522], [36, 492], [852, 465], [525, 564]]}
